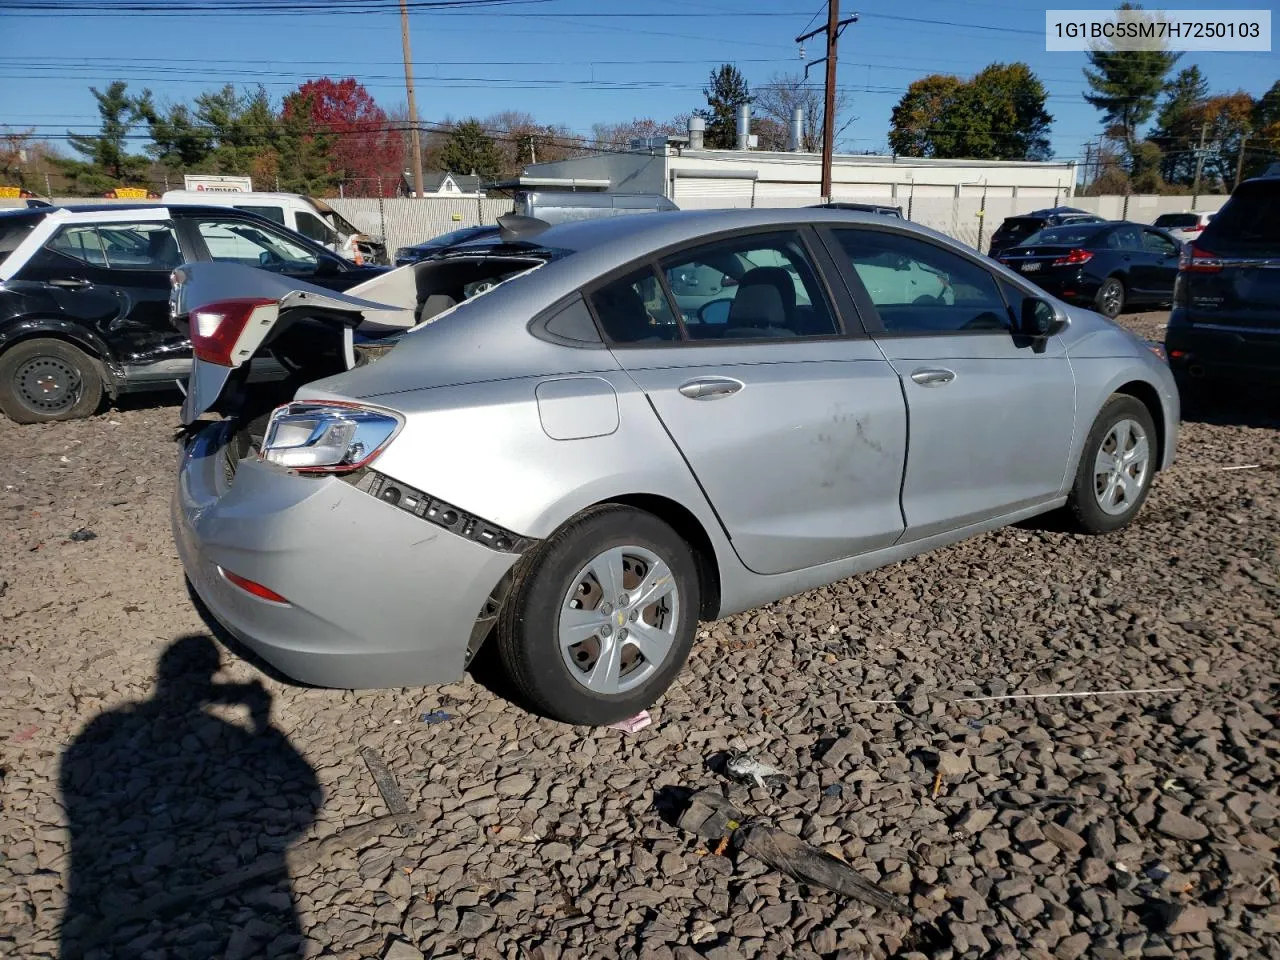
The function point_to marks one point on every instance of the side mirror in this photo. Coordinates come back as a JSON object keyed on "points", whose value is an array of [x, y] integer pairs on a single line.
{"points": [[1039, 319], [328, 267]]}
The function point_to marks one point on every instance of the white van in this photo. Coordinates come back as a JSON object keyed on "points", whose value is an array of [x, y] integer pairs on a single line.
{"points": [[309, 216]]}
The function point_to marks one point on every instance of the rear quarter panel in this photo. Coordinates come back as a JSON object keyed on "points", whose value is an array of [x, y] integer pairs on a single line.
{"points": [[485, 447]]}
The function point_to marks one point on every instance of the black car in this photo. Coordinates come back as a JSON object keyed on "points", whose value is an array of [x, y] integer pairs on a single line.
{"points": [[1226, 304], [1014, 230], [884, 209], [420, 251], [84, 295], [1107, 266]]}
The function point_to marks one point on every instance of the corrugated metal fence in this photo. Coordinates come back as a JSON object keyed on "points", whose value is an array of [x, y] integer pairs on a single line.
{"points": [[967, 218], [404, 221]]}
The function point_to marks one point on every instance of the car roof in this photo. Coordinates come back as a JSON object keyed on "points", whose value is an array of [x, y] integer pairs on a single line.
{"points": [[187, 209], [636, 233]]}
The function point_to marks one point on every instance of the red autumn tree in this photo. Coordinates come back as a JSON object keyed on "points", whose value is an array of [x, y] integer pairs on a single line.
{"points": [[363, 146]]}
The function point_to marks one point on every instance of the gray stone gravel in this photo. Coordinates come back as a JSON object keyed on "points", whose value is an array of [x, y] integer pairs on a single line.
{"points": [[1134, 826]]}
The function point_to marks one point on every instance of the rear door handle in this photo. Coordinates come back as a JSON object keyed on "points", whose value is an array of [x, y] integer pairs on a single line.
{"points": [[72, 283], [711, 388], [933, 376]]}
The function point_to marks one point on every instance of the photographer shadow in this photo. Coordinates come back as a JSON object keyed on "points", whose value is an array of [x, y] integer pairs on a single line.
{"points": [[164, 801]]}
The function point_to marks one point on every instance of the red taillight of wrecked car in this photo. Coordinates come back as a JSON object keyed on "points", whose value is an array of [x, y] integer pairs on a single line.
{"points": [[229, 331]]}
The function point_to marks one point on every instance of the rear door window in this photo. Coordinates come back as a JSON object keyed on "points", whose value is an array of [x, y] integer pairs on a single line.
{"points": [[120, 246], [1124, 238], [1158, 243]]}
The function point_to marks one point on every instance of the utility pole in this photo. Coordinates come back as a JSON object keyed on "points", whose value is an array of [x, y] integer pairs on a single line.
{"points": [[1088, 156], [1195, 186], [833, 30], [1244, 138], [414, 141]]}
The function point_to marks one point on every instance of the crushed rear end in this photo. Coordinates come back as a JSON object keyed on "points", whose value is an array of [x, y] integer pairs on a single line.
{"points": [[295, 543]]}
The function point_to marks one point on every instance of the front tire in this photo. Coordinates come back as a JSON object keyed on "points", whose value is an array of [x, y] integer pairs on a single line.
{"points": [[601, 617], [1109, 300], [43, 380], [1116, 467]]}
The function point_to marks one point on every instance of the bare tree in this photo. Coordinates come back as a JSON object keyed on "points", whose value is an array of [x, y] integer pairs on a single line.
{"points": [[618, 136], [775, 101]]}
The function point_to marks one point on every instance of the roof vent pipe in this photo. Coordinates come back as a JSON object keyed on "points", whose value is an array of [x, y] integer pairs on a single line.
{"points": [[744, 126], [697, 131], [797, 130]]}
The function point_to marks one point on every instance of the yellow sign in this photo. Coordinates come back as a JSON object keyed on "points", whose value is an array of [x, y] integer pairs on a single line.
{"points": [[10, 193], [131, 193]]}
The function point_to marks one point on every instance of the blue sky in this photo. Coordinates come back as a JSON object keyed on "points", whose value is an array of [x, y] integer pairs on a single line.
{"points": [[550, 60]]}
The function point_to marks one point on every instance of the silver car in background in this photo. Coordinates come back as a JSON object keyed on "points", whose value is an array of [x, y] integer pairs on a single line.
{"points": [[597, 434]]}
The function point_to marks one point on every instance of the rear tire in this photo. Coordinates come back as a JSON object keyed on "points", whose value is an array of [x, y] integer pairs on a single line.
{"points": [[43, 380], [1116, 467], [1109, 300], [576, 636]]}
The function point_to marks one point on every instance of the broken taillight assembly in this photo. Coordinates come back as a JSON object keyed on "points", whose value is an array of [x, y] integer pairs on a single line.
{"points": [[327, 436], [1073, 258], [229, 331]]}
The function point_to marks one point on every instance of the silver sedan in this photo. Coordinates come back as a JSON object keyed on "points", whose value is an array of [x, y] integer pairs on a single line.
{"points": [[580, 440]]}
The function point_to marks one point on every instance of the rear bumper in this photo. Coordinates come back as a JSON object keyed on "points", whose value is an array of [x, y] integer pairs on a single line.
{"points": [[1224, 350], [376, 597], [1075, 287]]}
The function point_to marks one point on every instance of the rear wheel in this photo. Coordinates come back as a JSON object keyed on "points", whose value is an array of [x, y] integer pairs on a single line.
{"points": [[1116, 467], [43, 380], [601, 617], [1109, 300]]}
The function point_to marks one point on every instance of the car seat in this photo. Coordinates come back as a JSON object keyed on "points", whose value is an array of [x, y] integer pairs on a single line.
{"points": [[764, 304]]}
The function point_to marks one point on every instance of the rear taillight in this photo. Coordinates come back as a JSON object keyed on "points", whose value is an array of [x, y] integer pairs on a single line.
{"points": [[1194, 259], [229, 331], [1196, 229], [327, 436], [1073, 258]]}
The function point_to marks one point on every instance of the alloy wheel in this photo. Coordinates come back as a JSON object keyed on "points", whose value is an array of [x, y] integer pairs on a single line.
{"points": [[618, 620], [1121, 467]]}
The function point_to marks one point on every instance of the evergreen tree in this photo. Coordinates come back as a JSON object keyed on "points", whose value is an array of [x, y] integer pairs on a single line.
{"points": [[1125, 85], [726, 92], [1177, 124], [108, 159], [469, 149]]}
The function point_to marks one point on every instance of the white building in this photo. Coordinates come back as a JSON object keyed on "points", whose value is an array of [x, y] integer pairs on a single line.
{"points": [[946, 194]]}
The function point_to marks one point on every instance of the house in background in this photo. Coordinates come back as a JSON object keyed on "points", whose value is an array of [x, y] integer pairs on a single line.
{"points": [[441, 184]]}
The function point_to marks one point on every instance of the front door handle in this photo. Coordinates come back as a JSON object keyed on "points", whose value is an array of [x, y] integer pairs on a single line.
{"points": [[71, 283], [933, 377], [711, 388]]}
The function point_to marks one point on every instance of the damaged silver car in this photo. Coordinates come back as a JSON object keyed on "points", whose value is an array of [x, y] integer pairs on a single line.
{"points": [[582, 439]]}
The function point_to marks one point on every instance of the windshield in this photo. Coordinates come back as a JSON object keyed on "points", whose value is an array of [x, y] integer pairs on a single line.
{"points": [[1250, 221], [341, 223], [1077, 234], [1168, 220]]}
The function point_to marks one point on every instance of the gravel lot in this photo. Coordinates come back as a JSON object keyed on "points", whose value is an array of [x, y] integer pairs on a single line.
{"points": [[1090, 825]]}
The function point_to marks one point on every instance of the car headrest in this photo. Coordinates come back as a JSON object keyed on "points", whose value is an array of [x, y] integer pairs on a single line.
{"points": [[766, 297]]}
